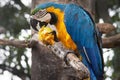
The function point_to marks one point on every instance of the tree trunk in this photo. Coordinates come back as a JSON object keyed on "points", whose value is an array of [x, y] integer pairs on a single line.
{"points": [[47, 66]]}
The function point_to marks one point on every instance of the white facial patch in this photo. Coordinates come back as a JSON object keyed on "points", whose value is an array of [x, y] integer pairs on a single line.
{"points": [[46, 18], [38, 27]]}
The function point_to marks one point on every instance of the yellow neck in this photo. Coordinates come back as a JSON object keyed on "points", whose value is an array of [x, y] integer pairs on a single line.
{"points": [[62, 35]]}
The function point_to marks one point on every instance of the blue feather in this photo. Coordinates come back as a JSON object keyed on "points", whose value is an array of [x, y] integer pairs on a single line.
{"points": [[82, 30], [77, 21], [49, 4]]}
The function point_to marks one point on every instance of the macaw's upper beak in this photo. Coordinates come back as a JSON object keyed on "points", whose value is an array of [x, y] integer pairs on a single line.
{"points": [[34, 23]]}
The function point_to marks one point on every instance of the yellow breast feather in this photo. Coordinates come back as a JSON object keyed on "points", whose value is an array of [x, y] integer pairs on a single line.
{"points": [[62, 34]]}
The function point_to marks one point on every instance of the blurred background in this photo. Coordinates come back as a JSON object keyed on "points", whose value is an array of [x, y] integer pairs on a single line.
{"points": [[15, 63], [14, 22]]}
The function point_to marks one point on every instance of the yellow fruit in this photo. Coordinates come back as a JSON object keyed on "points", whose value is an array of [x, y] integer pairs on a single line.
{"points": [[45, 35]]}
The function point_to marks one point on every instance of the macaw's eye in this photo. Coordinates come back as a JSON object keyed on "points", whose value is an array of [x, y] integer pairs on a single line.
{"points": [[33, 23]]}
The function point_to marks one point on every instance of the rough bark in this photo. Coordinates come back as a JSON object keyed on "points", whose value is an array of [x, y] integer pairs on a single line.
{"points": [[47, 54], [112, 41], [15, 43], [47, 66], [105, 28]]}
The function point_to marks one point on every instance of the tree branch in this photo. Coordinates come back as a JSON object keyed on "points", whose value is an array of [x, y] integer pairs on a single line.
{"points": [[56, 56], [108, 42], [111, 42], [15, 43], [105, 28], [69, 57]]}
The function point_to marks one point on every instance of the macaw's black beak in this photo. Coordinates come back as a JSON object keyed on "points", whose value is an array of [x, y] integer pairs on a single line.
{"points": [[33, 23], [43, 24], [36, 25], [55, 36]]}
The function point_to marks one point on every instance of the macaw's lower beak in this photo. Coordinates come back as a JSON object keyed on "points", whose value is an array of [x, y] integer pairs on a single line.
{"points": [[55, 36]]}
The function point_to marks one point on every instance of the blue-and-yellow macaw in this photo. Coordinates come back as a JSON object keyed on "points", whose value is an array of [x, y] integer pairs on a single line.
{"points": [[76, 30]]}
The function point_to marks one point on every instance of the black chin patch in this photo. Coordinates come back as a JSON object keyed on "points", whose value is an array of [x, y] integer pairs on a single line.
{"points": [[33, 23], [42, 24]]}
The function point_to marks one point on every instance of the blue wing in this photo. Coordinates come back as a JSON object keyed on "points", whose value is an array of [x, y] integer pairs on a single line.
{"points": [[81, 29]]}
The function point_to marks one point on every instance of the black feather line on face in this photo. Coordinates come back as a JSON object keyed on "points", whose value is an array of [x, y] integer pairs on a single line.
{"points": [[34, 22], [53, 18]]}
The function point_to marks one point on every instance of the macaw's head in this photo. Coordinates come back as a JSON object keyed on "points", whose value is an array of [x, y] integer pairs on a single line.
{"points": [[42, 18], [39, 22]]}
